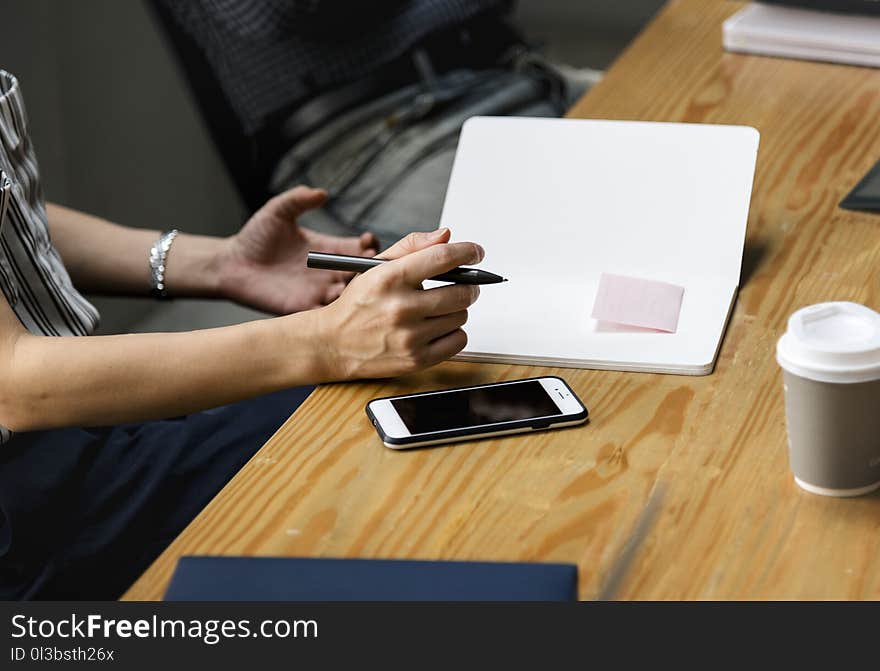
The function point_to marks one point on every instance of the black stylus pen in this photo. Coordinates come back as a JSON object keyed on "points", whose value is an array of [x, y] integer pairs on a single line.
{"points": [[359, 264]]}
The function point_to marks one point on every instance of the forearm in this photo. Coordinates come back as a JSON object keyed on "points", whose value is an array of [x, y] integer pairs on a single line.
{"points": [[105, 258], [105, 380], [384, 324]]}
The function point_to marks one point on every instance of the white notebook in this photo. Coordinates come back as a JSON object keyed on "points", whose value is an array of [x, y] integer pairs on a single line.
{"points": [[558, 202], [804, 33]]}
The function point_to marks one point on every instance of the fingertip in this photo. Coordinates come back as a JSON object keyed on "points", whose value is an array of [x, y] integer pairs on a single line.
{"points": [[308, 195], [297, 200], [369, 244], [459, 341]]}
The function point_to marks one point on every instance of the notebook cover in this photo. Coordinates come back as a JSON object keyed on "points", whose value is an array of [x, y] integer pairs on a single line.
{"points": [[793, 32], [296, 579], [866, 194]]}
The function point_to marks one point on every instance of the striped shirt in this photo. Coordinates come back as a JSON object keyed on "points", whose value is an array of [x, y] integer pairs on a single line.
{"points": [[32, 276]]}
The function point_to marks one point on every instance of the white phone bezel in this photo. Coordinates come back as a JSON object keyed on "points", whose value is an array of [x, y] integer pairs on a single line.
{"points": [[389, 422]]}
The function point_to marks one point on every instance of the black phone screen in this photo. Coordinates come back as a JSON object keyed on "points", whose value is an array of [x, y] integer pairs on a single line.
{"points": [[475, 407]]}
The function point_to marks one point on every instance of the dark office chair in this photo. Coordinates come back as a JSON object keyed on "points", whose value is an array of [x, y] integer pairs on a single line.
{"points": [[250, 158], [244, 156]]}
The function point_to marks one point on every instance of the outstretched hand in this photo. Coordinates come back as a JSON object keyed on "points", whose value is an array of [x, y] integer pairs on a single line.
{"points": [[264, 264]]}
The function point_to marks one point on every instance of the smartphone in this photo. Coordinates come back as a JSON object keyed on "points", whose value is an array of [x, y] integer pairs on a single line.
{"points": [[435, 417]]}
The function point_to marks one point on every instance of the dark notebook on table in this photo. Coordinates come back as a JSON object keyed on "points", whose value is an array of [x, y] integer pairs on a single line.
{"points": [[290, 579], [849, 6], [866, 194]]}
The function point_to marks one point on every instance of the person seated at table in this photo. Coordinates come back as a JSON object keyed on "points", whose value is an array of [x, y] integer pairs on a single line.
{"points": [[112, 444], [366, 99]]}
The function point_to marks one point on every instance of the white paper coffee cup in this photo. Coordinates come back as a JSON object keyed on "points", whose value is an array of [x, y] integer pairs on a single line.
{"points": [[830, 357]]}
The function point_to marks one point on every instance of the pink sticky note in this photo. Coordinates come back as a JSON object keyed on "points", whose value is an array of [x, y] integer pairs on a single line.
{"points": [[636, 302]]}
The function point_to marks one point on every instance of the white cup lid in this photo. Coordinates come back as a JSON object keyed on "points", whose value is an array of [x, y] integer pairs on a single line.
{"points": [[832, 342]]}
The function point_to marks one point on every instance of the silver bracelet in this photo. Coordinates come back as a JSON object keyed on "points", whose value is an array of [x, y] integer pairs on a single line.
{"points": [[158, 254]]}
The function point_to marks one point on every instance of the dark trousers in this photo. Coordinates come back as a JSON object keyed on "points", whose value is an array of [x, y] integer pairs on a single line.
{"points": [[83, 512]]}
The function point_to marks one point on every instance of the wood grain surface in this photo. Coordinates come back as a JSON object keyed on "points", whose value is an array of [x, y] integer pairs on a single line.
{"points": [[732, 524]]}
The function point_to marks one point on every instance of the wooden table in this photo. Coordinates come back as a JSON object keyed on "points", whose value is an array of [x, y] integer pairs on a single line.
{"points": [[733, 524]]}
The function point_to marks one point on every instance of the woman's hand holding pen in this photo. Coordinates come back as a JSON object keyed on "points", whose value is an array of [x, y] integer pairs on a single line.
{"points": [[384, 324]]}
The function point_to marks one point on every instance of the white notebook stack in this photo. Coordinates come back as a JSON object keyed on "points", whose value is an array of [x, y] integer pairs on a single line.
{"points": [[804, 33]]}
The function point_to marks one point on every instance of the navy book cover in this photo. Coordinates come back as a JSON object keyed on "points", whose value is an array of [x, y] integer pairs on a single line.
{"points": [[295, 579]]}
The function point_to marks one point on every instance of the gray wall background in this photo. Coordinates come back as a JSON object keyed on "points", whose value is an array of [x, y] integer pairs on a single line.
{"points": [[118, 135]]}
